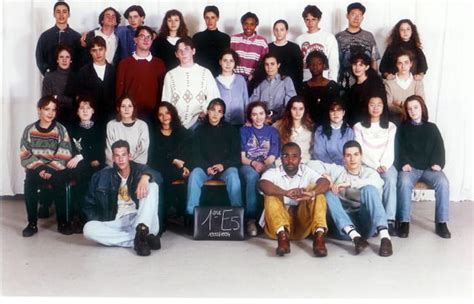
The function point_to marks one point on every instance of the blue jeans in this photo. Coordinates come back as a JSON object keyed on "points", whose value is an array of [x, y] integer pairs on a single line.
{"points": [[389, 195], [251, 178], [121, 231], [198, 177], [435, 179], [366, 219]]}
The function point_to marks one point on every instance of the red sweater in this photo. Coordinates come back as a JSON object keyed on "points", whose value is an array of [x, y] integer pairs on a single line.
{"points": [[142, 80]]}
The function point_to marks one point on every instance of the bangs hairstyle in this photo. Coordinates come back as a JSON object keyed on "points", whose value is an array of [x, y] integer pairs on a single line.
{"points": [[119, 104], [320, 55], [411, 56], [186, 41], [253, 105], [61, 48], [384, 117], [46, 100], [87, 99], [360, 56], [326, 123], [312, 10], [217, 101], [97, 41], [424, 108], [286, 122], [231, 52], [134, 8], [165, 31], [211, 9], [175, 120], [118, 18]]}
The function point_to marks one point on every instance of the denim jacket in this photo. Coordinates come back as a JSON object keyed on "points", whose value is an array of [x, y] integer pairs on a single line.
{"points": [[100, 202]]}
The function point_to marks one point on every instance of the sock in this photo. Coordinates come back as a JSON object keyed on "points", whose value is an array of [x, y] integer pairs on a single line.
{"points": [[350, 230], [319, 229], [282, 228], [383, 233]]}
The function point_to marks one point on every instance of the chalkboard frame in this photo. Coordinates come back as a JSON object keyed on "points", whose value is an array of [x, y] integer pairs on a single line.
{"points": [[219, 223]]}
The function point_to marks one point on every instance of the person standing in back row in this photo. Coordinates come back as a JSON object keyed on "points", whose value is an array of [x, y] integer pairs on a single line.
{"points": [[355, 40]]}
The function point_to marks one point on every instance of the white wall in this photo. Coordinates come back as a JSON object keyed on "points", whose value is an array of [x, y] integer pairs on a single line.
{"points": [[444, 27]]}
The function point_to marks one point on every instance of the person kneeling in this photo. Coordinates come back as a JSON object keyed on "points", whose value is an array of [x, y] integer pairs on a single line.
{"points": [[294, 202], [121, 206]]}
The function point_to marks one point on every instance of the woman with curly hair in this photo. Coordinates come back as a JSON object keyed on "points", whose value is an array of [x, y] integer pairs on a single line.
{"points": [[405, 36]]}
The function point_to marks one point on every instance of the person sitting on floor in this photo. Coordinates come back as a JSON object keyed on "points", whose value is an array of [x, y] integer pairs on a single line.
{"points": [[355, 200], [294, 202], [121, 206]]}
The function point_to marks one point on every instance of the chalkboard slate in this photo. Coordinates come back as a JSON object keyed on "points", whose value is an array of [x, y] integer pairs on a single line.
{"points": [[218, 223]]}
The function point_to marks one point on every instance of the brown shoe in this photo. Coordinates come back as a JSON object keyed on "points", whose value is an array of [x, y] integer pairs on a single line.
{"points": [[319, 245], [385, 249], [283, 243], [359, 244]]}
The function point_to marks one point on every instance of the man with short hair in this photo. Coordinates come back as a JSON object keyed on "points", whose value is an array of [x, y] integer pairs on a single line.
{"points": [[211, 42], [97, 80], [294, 202], [135, 16], [189, 87], [141, 75], [250, 46], [59, 34], [109, 19], [355, 200], [121, 206], [354, 40], [316, 39]]}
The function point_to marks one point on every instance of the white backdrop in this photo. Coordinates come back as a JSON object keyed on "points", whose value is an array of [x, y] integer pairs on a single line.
{"points": [[444, 27]]}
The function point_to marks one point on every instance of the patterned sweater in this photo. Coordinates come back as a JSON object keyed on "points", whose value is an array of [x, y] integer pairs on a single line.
{"points": [[49, 147], [250, 49]]}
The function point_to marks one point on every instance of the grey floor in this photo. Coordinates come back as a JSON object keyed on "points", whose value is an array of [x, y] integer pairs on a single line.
{"points": [[423, 266]]}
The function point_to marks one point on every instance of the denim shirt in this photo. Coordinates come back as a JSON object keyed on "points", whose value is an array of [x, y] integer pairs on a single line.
{"points": [[126, 44], [275, 93]]}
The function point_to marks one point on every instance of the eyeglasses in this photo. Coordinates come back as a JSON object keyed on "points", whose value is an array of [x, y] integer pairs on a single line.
{"points": [[144, 37]]}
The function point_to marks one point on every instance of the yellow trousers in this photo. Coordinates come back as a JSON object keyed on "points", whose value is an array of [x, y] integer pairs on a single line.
{"points": [[299, 221]]}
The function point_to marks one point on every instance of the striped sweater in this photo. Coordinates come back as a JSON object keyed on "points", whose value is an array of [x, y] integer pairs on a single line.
{"points": [[250, 49], [49, 147]]}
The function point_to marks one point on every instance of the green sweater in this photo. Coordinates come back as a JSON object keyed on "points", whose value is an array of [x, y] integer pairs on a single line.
{"points": [[421, 146]]}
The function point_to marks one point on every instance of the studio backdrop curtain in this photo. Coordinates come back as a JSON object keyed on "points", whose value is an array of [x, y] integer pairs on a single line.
{"points": [[444, 27]]}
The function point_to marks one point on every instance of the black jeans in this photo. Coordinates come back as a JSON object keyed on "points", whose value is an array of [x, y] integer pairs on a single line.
{"points": [[58, 182]]}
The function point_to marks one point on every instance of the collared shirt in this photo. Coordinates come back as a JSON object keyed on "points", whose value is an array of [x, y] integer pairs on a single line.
{"points": [[302, 179], [147, 58], [404, 84], [250, 50], [275, 93]]}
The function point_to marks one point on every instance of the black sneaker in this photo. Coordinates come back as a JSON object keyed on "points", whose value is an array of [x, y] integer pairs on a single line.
{"points": [[140, 242], [30, 229], [392, 230], [65, 228], [43, 211], [153, 241], [443, 231]]}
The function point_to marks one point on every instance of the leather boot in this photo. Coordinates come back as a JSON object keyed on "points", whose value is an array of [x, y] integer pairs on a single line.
{"points": [[283, 243]]}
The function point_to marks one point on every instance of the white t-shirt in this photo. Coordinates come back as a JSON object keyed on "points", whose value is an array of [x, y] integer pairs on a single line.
{"points": [[226, 80], [124, 201], [100, 70], [303, 178]]}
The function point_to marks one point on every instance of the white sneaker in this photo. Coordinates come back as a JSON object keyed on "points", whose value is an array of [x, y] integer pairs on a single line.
{"points": [[251, 228]]}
